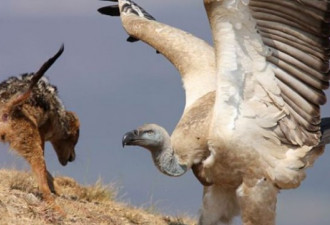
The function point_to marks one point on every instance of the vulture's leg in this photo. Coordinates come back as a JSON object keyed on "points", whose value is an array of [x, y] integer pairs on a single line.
{"points": [[219, 206], [257, 199]]}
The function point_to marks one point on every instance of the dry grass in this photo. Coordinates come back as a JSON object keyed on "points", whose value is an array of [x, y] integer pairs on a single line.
{"points": [[69, 188], [21, 204]]}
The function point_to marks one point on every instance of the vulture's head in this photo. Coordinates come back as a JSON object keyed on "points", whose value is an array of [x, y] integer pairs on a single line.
{"points": [[156, 139], [149, 136]]}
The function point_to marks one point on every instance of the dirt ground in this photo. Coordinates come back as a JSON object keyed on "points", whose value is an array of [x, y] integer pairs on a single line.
{"points": [[21, 204]]}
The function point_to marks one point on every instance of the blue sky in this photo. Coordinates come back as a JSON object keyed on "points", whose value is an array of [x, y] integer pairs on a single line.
{"points": [[115, 86]]}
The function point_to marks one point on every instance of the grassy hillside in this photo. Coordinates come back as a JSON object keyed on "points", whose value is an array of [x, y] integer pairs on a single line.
{"points": [[21, 204]]}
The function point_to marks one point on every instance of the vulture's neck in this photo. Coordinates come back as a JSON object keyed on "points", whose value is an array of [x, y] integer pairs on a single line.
{"points": [[167, 162]]}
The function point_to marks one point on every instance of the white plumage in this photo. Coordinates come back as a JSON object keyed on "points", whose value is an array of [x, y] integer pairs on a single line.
{"points": [[251, 124]]}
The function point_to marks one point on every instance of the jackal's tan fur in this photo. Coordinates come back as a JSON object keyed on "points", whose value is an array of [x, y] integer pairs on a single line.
{"points": [[30, 114]]}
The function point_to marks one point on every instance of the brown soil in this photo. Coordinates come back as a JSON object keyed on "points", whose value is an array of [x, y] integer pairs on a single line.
{"points": [[21, 204]]}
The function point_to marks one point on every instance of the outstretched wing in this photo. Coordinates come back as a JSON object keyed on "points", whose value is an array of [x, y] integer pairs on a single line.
{"points": [[272, 67], [192, 57], [275, 57]]}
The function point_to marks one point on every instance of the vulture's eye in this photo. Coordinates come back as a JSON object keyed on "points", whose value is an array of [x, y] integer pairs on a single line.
{"points": [[149, 132]]}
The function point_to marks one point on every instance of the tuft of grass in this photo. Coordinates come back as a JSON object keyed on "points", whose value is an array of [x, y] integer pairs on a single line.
{"points": [[176, 221], [152, 207], [99, 192], [133, 217], [22, 181], [179, 220]]}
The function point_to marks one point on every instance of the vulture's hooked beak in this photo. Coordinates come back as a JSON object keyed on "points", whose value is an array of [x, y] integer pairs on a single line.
{"points": [[130, 137]]}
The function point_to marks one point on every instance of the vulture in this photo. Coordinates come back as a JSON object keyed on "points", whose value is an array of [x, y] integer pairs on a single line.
{"points": [[251, 123]]}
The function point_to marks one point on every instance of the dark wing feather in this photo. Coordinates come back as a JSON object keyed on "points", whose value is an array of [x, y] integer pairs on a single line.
{"points": [[325, 129], [111, 10]]}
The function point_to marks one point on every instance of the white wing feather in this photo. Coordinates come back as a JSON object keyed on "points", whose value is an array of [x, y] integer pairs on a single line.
{"points": [[268, 89]]}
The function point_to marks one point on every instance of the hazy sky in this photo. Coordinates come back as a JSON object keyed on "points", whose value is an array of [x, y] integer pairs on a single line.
{"points": [[115, 86]]}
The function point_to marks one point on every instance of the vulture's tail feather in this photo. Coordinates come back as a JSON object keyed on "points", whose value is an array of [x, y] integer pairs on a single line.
{"points": [[325, 129]]}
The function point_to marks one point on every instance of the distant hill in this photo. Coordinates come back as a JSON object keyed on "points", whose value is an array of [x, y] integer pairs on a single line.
{"points": [[21, 204]]}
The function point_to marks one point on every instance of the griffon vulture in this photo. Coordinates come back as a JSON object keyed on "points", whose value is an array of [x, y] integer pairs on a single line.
{"points": [[251, 124]]}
